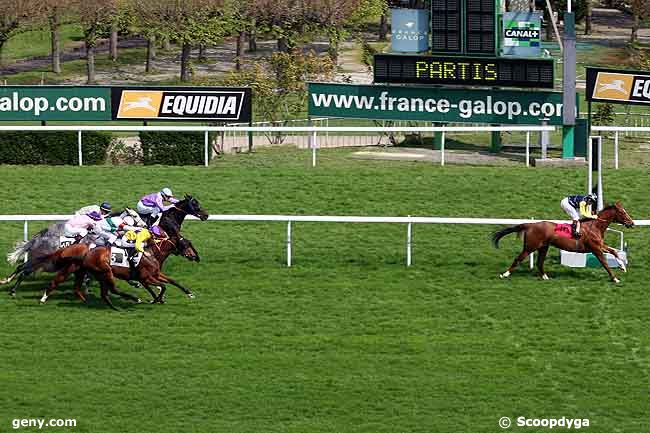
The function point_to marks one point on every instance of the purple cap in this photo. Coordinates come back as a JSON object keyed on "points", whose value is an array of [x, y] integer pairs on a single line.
{"points": [[156, 230], [95, 215]]}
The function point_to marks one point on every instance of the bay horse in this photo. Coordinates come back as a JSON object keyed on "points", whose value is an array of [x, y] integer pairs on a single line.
{"points": [[81, 260], [539, 236], [41, 247]]}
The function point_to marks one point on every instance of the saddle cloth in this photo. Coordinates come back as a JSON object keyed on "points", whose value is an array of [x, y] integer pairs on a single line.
{"points": [[564, 230], [65, 241], [120, 258]]}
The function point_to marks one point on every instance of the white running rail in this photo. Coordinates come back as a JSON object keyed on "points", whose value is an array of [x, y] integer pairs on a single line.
{"points": [[289, 219], [313, 130], [617, 130]]}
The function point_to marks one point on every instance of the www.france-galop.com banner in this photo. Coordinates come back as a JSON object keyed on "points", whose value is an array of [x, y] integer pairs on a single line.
{"points": [[493, 106]]}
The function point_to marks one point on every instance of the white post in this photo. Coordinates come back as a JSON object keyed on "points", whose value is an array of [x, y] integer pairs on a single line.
{"points": [[313, 150], [532, 260], [616, 150], [527, 148], [590, 158], [79, 148], [409, 238], [26, 235], [442, 149], [601, 202], [289, 244], [206, 147]]}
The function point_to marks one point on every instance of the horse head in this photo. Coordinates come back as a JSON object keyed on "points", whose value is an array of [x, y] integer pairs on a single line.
{"points": [[173, 218], [185, 248], [192, 207], [621, 216]]}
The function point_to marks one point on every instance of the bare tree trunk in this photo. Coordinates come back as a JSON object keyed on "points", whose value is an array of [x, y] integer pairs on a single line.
{"points": [[113, 42], [283, 45], [202, 56], [90, 63], [333, 49], [185, 62], [383, 27], [166, 44], [635, 28], [252, 38], [588, 19], [151, 53], [240, 50], [56, 41]]}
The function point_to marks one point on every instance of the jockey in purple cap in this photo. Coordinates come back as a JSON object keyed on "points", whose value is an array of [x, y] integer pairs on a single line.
{"points": [[153, 204], [79, 225]]}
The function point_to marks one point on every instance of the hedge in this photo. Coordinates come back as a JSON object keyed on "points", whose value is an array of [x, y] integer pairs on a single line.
{"points": [[172, 148], [53, 148]]}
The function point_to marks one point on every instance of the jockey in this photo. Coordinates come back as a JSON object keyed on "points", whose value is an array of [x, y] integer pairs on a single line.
{"points": [[153, 204], [577, 207], [112, 227], [79, 225], [103, 209]]}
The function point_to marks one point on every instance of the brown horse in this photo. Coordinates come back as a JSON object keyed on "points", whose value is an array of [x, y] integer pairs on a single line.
{"points": [[80, 260], [539, 236]]}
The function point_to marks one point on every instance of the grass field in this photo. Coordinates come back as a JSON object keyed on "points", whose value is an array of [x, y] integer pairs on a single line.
{"points": [[349, 339]]}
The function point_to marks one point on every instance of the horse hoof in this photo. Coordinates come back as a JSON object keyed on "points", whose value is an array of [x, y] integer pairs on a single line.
{"points": [[616, 280], [138, 301], [191, 295], [506, 274], [545, 277]]}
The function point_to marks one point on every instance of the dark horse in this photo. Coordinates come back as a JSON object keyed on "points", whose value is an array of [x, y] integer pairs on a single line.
{"points": [[80, 260], [171, 221], [539, 236]]}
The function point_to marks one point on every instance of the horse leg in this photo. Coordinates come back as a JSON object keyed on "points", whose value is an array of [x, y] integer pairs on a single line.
{"points": [[151, 292], [603, 261], [79, 278], [58, 279], [21, 277], [113, 288], [541, 256], [165, 279], [105, 284], [520, 258], [613, 252]]}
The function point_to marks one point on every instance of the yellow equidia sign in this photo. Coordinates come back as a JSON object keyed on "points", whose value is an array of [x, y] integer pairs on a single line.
{"points": [[618, 87], [137, 104]]}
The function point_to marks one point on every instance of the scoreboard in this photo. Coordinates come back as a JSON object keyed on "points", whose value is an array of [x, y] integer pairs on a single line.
{"points": [[464, 26], [473, 71]]}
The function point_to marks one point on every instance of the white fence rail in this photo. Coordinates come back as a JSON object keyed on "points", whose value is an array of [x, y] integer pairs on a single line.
{"points": [[617, 130], [313, 132], [409, 221]]}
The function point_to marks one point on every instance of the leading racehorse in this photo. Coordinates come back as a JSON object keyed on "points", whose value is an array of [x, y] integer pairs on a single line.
{"points": [[539, 236], [46, 242]]}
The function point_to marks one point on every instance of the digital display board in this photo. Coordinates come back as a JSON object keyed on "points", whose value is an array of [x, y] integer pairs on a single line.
{"points": [[468, 71], [480, 22], [446, 26]]}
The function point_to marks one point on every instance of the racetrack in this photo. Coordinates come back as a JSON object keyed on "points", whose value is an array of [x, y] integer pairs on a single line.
{"points": [[349, 339]]}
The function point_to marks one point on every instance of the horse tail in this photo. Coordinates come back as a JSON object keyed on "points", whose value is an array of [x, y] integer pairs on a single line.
{"points": [[20, 251], [496, 236]]}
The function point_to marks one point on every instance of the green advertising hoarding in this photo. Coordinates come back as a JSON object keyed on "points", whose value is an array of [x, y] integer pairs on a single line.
{"points": [[435, 104], [47, 103]]}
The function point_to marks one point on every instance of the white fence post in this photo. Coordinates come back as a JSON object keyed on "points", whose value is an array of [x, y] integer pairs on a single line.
{"points": [[528, 149], [409, 239], [442, 149], [313, 149], [288, 244], [79, 148], [206, 147], [616, 150], [26, 235]]}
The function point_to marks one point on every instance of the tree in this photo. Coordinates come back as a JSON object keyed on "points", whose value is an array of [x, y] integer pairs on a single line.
{"points": [[640, 11], [54, 11], [188, 22], [95, 15], [15, 16]]}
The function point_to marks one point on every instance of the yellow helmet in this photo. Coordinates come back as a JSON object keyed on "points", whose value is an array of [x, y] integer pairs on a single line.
{"points": [[130, 235]]}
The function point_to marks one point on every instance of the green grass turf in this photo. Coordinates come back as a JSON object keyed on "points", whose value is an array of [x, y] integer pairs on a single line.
{"points": [[36, 43], [349, 339]]}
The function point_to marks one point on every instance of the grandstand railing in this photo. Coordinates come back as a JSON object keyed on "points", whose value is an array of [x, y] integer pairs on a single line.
{"points": [[313, 132], [409, 221]]}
